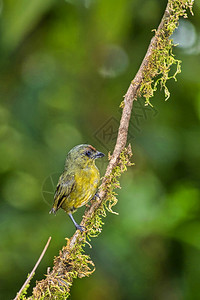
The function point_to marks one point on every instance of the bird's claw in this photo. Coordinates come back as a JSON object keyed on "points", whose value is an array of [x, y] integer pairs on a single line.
{"points": [[80, 227], [96, 196]]}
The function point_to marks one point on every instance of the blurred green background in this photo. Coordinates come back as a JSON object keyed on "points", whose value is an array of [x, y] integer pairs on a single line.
{"points": [[65, 66]]}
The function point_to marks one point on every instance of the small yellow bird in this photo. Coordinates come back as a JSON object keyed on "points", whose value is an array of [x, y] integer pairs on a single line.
{"points": [[79, 181]]}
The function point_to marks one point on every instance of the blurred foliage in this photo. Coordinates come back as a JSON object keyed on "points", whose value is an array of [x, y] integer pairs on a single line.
{"points": [[65, 66]]}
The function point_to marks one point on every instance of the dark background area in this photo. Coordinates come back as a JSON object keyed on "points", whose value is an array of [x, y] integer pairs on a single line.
{"points": [[65, 66]]}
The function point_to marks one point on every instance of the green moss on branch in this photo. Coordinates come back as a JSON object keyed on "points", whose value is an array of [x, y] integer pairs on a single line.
{"points": [[161, 61], [73, 262], [155, 69]]}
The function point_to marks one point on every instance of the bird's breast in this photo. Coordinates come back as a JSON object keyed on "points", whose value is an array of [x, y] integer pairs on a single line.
{"points": [[87, 181]]}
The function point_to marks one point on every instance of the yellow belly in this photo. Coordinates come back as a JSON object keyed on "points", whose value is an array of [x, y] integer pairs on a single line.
{"points": [[87, 181]]}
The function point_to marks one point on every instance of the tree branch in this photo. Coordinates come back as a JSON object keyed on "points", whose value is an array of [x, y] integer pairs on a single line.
{"points": [[33, 271], [71, 262]]}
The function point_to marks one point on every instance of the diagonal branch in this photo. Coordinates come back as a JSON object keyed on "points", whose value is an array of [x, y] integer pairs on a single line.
{"points": [[132, 94], [26, 283], [71, 263]]}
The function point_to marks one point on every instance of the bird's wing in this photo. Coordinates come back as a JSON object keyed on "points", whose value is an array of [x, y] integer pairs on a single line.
{"points": [[65, 186]]}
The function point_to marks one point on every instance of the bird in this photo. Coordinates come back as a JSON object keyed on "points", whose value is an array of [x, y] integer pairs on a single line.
{"points": [[79, 181]]}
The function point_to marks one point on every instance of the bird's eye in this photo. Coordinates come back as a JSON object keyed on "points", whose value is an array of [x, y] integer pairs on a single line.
{"points": [[88, 153]]}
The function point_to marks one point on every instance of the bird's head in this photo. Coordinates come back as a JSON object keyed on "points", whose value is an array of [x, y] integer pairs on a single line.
{"points": [[82, 155]]}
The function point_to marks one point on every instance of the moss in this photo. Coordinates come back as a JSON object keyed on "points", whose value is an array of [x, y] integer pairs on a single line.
{"points": [[113, 180], [122, 104], [73, 262], [24, 291], [94, 226], [162, 60]]}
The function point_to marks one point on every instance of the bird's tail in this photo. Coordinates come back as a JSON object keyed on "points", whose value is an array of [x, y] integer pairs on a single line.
{"points": [[52, 211]]}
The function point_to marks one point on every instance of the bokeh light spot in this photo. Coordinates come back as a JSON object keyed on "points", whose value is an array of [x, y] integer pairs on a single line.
{"points": [[115, 61], [21, 190]]}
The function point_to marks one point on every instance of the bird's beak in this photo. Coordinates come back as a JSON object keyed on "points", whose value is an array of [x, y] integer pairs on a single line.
{"points": [[99, 154]]}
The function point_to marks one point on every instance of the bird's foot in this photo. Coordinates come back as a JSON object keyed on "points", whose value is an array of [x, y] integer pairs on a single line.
{"points": [[96, 196], [80, 227]]}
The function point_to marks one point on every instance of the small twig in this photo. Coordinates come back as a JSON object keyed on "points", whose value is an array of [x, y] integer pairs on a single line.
{"points": [[33, 271]]}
